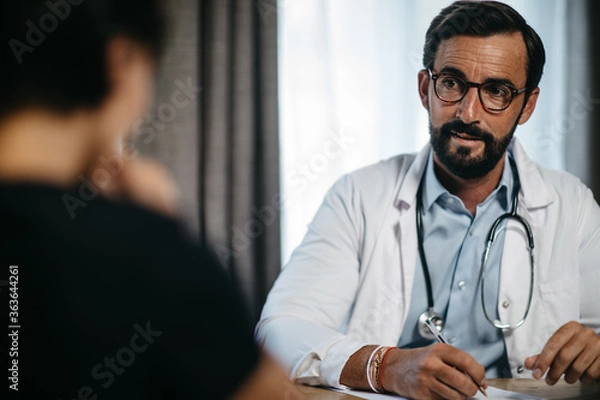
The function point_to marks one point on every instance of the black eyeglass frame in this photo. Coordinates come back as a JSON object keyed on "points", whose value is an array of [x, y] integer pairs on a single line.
{"points": [[514, 92]]}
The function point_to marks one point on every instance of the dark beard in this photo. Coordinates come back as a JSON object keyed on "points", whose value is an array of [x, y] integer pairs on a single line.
{"points": [[461, 163]]}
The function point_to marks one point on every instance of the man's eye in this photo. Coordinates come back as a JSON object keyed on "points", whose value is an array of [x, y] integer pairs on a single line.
{"points": [[451, 83], [500, 91]]}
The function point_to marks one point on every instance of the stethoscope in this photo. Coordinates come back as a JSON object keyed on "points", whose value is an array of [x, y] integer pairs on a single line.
{"points": [[436, 318]]}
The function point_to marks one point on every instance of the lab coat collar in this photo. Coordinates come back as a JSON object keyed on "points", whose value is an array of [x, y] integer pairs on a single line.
{"points": [[407, 193], [534, 194]]}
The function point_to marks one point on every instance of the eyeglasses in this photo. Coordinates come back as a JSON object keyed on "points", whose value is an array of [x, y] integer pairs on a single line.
{"points": [[494, 96]]}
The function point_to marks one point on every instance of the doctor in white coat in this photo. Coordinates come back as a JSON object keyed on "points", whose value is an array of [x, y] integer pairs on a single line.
{"points": [[345, 309]]}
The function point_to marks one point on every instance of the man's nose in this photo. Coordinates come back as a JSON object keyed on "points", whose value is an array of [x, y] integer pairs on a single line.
{"points": [[470, 108]]}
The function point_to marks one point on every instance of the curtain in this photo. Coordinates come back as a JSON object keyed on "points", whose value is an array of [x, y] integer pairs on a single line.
{"points": [[238, 145], [169, 131], [214, 125], [348, 89], [593, 30]]}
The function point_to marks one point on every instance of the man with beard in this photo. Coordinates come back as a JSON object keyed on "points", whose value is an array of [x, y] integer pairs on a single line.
{"points": [[407, 240]]}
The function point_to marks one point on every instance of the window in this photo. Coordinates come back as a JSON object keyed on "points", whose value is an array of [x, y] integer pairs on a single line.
{"points": [[348, 92]]}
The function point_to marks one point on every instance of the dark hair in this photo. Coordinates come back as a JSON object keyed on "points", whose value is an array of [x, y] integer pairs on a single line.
{"points": [[485, 18], [52, 52]]}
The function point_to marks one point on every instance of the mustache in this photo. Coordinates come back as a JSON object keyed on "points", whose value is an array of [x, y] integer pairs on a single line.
{"points": [[469, 129]]}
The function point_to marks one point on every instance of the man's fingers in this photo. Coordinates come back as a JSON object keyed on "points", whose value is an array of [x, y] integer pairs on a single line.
{"points": [[564, 360], [531, 361], [458, 381], [552, 348], [447, 392], [592, 374], [581, 364], [567, 356], [467, 365]]}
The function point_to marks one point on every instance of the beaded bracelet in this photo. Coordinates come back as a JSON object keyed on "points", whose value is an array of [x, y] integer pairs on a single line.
{"points": [[370, 369], [379, 369]]}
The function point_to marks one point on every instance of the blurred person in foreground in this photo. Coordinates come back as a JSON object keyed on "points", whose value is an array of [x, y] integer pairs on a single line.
{"points": [[407, 239], [104, 295]]}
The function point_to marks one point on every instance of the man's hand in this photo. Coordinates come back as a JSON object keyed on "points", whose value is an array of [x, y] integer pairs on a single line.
{"points": [[573, 350], [433, 372]]}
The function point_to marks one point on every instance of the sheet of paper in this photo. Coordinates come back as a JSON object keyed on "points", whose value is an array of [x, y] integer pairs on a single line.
{"points": [[493, 394]]}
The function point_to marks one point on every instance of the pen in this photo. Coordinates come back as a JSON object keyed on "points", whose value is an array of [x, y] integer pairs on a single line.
{"points": [[440, 338]]}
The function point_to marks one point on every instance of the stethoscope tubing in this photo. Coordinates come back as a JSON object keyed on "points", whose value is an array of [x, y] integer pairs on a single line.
{"points": [[513, 214]]}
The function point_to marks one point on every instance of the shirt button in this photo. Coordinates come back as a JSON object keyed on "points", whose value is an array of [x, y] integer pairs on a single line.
{"points": [[461, 285], [520, 369], [505, 304]]}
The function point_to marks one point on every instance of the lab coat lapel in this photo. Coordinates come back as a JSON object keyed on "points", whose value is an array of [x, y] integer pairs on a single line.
{"points": [[407, 233], [515, 281]]}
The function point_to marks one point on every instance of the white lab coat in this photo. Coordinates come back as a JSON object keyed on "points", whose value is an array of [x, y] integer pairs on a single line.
{"points": [[349, 283]]}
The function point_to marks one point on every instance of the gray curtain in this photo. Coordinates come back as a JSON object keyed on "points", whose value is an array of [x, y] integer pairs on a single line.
{"points": [[214, 125], [582, 108], [169, 131], [594, 86], [238, 144]]}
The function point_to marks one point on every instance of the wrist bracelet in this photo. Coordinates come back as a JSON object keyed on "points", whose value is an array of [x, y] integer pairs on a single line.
{"points": [[379, 370], [370, 369]]}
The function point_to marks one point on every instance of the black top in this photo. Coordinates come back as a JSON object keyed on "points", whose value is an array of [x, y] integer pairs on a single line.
{"points": [[113, 302]]}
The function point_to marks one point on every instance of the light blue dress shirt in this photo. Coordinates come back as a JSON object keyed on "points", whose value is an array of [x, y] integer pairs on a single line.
{"points": [[454, 242]]}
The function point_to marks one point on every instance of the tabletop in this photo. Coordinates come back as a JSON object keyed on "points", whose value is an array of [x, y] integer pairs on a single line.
{"points": [[560, 391]]}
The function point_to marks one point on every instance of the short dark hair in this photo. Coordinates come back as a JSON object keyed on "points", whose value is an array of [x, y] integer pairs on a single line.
{"points": [[485, 18], [52, 52]]}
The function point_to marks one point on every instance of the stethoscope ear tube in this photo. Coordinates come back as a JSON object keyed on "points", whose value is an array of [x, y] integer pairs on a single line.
{"points": [[491, 236]]}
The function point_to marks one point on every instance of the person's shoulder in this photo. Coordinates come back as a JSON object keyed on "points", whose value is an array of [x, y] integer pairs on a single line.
{"points": [[556, 183], [77, 223], [562, 187], [559, 181]]}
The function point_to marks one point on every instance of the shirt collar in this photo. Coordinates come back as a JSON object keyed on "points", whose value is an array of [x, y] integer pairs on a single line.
{"points": [[534, 193], [433, 189]]}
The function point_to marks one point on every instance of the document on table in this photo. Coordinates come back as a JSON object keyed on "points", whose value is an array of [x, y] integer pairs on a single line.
{"points": [[493, 394]]}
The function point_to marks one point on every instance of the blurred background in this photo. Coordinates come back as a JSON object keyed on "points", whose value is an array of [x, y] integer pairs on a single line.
{"points": [[282, 97]]}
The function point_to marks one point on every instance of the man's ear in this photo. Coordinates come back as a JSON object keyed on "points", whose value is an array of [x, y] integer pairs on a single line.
{"points": [[423, 78], [530, 106]]}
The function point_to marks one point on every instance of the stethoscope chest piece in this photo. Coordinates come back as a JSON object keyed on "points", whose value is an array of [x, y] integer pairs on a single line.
{"points": [[435, 318]]}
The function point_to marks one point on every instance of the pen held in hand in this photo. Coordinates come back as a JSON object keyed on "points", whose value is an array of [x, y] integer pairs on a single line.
{"points": [[440, 338]]}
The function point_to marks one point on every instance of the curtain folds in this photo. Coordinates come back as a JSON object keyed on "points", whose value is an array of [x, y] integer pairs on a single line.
{"points": [[238, 143], [593, 8]]}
